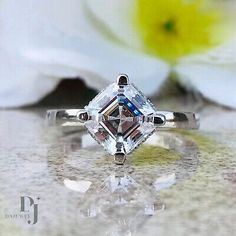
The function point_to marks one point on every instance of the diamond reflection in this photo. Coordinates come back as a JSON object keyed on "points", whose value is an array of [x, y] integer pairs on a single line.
{"points": [[118, 200], [78, 186], [165, 182]]}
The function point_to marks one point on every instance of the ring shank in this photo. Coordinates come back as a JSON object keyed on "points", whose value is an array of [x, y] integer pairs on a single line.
{"points": [[181, 120], [69, 117], [64, 117]]}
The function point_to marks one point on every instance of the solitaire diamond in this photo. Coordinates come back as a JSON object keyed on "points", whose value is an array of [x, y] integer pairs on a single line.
{"points": [[119, 117]]}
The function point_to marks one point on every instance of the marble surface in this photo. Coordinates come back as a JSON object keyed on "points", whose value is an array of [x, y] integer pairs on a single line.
{"points": [[178, 183]]}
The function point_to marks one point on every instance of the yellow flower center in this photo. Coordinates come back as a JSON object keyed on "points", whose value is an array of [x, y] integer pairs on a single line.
{"points": [[174, 28]]}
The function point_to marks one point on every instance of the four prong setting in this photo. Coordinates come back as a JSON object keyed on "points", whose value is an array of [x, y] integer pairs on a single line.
{"points": [[121, 118], [122, 80]]}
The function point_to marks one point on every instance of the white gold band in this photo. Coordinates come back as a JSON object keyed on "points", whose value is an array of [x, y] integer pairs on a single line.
{"points": [[77, 117]]}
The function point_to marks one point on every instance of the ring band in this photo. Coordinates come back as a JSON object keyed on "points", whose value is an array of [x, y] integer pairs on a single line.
{"points": [[70, 117], [120, 118]]}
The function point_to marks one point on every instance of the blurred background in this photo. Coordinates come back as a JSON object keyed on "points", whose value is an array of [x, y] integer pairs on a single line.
{"points": [[56, 53]]}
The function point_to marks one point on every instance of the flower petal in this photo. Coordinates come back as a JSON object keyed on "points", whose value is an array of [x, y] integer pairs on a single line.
{"points": [[98, 70], [213, 82], [117, 17], [212, 73], [20, 84], [57, 40], [224, 55]]}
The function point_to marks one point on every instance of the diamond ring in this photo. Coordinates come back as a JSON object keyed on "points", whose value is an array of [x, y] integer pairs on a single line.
{"points": [[120, 118]]}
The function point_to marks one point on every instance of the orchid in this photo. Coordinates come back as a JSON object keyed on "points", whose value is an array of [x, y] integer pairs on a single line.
{"points": [[44, 41]]}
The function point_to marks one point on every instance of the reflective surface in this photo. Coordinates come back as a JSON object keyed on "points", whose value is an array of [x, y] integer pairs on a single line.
{"points": [[175, 184]]}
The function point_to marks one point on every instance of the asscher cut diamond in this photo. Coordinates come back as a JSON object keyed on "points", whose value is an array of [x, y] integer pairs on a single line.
{"points": [[118, 120]]}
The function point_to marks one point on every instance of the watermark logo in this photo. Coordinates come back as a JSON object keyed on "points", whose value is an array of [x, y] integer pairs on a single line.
{"points": [[28, 210], [27, 205]]}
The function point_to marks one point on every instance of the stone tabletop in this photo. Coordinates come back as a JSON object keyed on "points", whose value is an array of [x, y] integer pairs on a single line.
{"points": [[60, 182]]}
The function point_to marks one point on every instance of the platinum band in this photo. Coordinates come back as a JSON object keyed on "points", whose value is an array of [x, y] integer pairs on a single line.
{"points": [[120, 118], [77, 117]]}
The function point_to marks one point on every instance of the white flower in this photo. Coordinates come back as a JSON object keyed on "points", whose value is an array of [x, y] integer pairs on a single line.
{"points": [[44, 41]]}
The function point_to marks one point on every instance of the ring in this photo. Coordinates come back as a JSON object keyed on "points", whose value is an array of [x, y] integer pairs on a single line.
{"points": [[120, 118]]}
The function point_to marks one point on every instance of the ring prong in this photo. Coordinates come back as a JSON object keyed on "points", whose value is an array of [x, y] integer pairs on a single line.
{"points": [[123, 79], [119, 158], [159, 120], [83, 116]]}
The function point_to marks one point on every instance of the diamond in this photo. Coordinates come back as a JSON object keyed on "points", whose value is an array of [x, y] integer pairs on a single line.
{"points": [[118, 118]]}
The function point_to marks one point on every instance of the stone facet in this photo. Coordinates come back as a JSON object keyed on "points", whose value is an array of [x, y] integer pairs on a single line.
{"points": [[117, 118]]}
